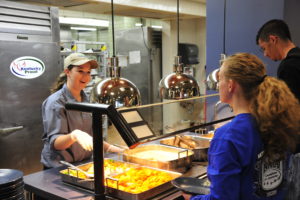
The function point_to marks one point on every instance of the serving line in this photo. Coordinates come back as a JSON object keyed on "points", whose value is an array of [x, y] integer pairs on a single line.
{"points": [[48, 184]]}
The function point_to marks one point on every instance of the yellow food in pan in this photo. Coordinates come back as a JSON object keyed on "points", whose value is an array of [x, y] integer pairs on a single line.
{"points": [[137, 180]]}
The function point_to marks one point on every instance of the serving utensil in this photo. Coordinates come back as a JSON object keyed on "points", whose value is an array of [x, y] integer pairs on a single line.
{"points": [[77, 168]]}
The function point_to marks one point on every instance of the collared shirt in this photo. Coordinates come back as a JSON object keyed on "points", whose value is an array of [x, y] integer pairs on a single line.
{"points": [[58, 121], [232, 160]]}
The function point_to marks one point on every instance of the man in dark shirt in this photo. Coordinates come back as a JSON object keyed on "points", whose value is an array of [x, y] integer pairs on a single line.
{"points": [[275, 41]]}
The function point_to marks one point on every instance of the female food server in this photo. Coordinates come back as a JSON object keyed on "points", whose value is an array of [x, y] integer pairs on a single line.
{"points": [[68, 134]]}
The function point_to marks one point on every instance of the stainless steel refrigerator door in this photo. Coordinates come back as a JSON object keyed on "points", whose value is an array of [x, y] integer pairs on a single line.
{"points": [[21, 125], [146, 73]]}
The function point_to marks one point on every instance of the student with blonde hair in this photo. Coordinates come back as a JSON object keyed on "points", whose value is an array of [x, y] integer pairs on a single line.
{"points": [[248, 157]]}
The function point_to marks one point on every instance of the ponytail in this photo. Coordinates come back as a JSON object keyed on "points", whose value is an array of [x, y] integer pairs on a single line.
{"points": [[58, 84], [274, 106], [60, 80], [277, 113]]}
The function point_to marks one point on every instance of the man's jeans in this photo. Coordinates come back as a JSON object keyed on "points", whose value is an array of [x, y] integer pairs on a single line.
{"points": [[294, 178]]}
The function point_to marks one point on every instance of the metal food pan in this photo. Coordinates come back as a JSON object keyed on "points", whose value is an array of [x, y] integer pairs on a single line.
{"points": [[205, 135], [146, 194], [180, 163], [113, 192], [75, 179], [200, 148]]}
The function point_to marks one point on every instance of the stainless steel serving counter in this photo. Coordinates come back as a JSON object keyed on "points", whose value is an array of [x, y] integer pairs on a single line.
{"points": [[48, 185]]}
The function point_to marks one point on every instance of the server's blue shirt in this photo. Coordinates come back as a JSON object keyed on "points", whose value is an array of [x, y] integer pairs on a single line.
{"points": [[58, 121], [232, 157]]}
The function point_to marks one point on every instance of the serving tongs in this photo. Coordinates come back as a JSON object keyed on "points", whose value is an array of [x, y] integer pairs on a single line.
{"points": [[90, 176]]}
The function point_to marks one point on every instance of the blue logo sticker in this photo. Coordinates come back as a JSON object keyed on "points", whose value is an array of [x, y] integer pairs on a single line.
{"points": [[27, 67]]}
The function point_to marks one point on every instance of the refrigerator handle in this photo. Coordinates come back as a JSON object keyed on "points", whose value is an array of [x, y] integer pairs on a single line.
{"points": [[10, 129]]}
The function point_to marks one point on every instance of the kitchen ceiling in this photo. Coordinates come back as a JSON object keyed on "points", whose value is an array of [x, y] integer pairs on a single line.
{"points": [[104, 7]]}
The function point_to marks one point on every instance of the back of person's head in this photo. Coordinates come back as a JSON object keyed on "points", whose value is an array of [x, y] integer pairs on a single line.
{"points": [[274, 27], [273, 105], [246, 69]]}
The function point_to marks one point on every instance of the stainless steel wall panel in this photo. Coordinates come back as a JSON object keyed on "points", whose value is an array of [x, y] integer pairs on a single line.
{"points": [[55, 24]]}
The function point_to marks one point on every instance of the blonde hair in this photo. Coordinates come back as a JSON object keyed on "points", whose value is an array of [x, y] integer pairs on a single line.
{"points": [[273, 105]]}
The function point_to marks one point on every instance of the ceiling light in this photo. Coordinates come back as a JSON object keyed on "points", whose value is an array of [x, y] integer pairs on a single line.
{"points": [[83, 29], [154, 26], [83, 21], [138, 24]]}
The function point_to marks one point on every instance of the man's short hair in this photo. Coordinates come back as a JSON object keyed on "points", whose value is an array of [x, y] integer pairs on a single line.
{"points": [[274, 27]]}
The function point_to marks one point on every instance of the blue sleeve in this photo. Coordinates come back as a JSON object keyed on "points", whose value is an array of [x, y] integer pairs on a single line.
{"points": [[200, 197], [223, 172]]}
